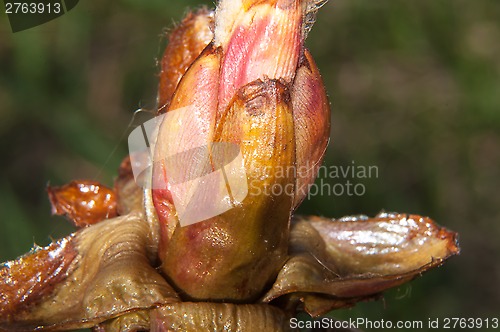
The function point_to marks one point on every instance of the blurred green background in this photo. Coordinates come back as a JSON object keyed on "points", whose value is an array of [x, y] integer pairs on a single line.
{"points": [[415, 90]]}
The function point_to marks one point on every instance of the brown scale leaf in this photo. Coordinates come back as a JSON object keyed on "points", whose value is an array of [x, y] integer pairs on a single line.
{"points": [[111, 275], [83, 202], [129, 195], [185, 44], [129, 322], [206, 316], [27, 280], [356, 258]]}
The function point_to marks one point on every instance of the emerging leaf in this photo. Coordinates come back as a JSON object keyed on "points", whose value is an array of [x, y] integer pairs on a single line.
{"points": [[247, 90]]}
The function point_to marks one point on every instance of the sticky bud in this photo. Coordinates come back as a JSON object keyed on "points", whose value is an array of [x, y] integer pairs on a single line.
{"points": [[255, 90]]}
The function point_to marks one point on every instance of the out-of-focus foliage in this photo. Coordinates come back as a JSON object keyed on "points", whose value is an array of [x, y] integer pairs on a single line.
{"points": [[414, 89]]}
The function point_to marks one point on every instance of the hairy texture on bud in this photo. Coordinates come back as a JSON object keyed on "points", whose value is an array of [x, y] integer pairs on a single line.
{"points": [[260, 39], [185, 43]]}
